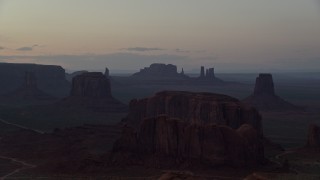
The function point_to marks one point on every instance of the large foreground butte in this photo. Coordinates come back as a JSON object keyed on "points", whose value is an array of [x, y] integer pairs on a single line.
{"points": [[201, 108], [178, 129]]}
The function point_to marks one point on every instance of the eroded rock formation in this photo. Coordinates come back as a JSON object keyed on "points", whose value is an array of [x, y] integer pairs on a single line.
{"points": [[91, 85], [159, 71], [201, 108], [93, 90], [28, 93], [264, 97], [50, 78], [107, 73], [208, 75], [175, 128], [313, 140], [163, 142], [264, 85]]}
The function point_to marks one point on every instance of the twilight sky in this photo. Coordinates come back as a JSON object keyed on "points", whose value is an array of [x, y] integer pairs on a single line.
{"points": [[232, 35]]}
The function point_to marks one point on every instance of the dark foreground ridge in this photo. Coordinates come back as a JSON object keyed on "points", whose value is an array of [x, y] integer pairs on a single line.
{"points": [[264, 97]]}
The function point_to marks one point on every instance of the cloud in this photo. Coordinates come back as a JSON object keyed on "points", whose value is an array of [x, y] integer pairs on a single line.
{"points": [[27, 48], [1, 48], [143, 49], [181, 50]]}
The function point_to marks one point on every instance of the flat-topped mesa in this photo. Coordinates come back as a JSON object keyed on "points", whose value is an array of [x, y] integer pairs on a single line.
{"points": [[313, 140], [264, 85], [91, 85], [264, 97], [170, 142], [202, 108], [92, 91], [158, 70], [28, 92], [50, 78]]}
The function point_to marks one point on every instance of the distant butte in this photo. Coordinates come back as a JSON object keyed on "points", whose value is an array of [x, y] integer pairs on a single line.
{"points": [[264, 97], [50, 78], [92, 90], [158, 70], [28, 93]]}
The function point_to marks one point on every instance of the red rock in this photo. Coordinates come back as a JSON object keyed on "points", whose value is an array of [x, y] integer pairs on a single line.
{"points": [[168, 140], [313, 140], [201, 108]]}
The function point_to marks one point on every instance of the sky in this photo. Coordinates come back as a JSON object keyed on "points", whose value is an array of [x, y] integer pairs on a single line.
{"points": [[127, 35]]}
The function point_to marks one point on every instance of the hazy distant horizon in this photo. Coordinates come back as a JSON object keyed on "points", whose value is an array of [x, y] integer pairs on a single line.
{"points": [[233, 36]]}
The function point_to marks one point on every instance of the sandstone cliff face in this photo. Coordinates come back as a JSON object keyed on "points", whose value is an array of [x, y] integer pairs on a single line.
{"points": [[313, 140], [93, 91], [183, 128], [28, 93], [91, 85], [165, 141], [264, 97], [264, 85], [201, 108], [50, 78]]}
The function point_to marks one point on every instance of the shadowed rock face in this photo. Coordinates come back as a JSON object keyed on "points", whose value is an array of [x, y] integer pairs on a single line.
{"points": [[176, 128], [107, 73], [209, 75], [30, 80], [201, 108], [313, 140], [92, 85], [29, 92], [50, 78], [169, 142], [93, 90], [264, 85], [159, 71], [264, 97]]}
